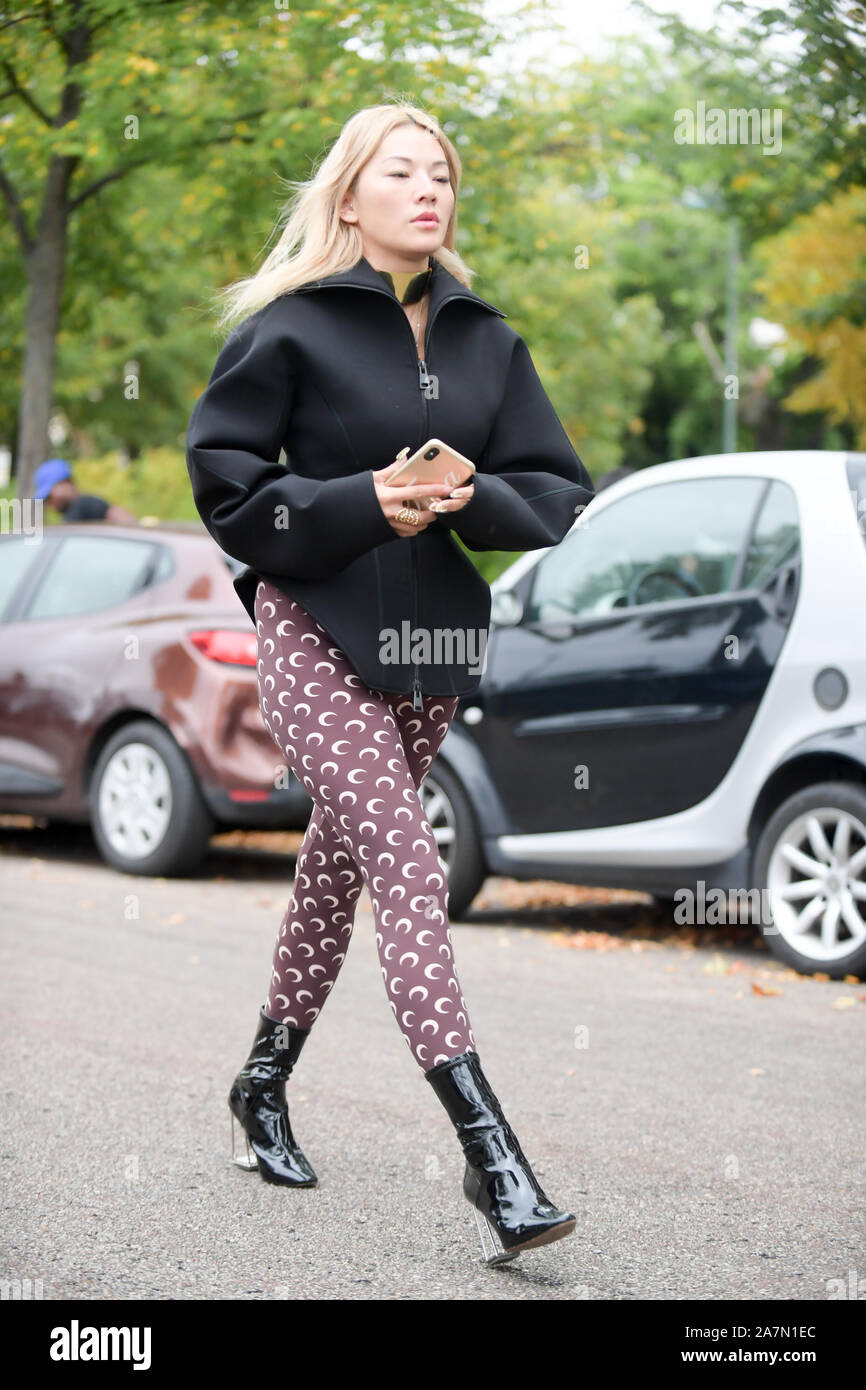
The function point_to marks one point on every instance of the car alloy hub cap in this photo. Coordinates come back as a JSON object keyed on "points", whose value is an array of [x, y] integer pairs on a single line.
{"points": [[440, 817], [135, 800], [816, 880]]}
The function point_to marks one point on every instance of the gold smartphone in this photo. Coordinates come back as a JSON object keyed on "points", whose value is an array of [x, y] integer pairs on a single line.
{"points": [[434, 462]]}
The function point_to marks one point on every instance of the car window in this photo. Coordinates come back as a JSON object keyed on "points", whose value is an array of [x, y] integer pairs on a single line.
{"points": [[16, 556], [234, 566], [89, 573], [667, 542], [776, 540], [165, 566], [857, 489]]}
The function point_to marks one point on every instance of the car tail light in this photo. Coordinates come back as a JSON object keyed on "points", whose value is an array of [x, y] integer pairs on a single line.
{"points": [[222, 644]]}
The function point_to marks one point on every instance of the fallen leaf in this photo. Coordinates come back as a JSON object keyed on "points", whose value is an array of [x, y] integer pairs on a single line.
{"points": [[594, 941], [716, 965], [844, 1002], [764, 989]]}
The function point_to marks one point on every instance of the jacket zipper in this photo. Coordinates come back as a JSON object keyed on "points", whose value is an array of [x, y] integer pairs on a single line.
{"points": [[423, 383]]}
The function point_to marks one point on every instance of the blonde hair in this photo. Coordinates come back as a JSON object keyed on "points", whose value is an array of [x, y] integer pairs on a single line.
{"points": [[315, 242]]}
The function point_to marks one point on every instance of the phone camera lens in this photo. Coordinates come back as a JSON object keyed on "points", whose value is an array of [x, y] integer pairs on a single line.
{"points": [[431, 453]]}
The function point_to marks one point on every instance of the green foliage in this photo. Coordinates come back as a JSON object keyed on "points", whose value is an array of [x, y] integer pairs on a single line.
{"points": [[154, 487], [179, 120]]}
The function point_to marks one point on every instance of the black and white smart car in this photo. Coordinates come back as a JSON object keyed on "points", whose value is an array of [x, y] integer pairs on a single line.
{"points": [[674, 701]]}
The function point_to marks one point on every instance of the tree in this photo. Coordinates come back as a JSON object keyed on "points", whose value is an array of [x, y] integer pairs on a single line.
{"points": [[821, 83], [814, 281], [103, 93]]}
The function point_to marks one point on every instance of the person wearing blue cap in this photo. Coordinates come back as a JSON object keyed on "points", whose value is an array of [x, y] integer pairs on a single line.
{"points": [[53, 483]]}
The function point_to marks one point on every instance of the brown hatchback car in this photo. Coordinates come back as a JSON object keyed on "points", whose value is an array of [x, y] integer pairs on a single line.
{"points": [[128, 693]]}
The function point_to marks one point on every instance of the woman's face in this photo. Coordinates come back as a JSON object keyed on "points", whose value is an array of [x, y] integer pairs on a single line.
{"points": [[407, 176]]}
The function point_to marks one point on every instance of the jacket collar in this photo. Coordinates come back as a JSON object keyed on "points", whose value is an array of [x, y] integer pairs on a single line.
{"points": [[362, 275]]}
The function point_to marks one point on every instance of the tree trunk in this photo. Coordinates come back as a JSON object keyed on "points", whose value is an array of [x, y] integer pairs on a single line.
{"points": [[45, 261]]}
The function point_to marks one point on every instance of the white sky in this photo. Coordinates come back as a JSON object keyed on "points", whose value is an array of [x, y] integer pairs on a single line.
{"points": [[590, 24]]}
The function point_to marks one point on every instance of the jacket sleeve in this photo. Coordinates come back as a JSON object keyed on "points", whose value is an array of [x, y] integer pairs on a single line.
{"points": [[529, 484], [257, 510]]}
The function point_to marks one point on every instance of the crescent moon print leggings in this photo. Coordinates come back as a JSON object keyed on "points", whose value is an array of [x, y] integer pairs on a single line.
{"points": [[361, 754]]}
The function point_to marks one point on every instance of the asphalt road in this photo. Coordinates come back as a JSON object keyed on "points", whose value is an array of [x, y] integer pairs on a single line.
{"points": [[709, 1137]]}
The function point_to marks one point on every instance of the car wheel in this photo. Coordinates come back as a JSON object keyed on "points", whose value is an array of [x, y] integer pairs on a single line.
{"points": [[451, 819], [146, 810], [810, 865]]}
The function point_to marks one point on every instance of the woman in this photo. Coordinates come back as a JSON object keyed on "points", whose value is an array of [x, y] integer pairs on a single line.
{"points": [[352, 583]]}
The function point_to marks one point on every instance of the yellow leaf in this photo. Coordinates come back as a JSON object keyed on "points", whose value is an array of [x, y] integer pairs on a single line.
{"points": [[716, 966]]}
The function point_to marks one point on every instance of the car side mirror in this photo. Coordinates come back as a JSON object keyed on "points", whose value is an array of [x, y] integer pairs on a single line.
{"points": [[506, 609]]}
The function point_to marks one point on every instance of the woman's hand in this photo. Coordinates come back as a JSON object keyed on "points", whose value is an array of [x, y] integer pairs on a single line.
{"points": [[393, 499], [458, 499]]}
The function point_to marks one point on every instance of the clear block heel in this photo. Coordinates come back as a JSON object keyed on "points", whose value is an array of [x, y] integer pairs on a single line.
{"points": [[493, 1251], [248, 1160]]}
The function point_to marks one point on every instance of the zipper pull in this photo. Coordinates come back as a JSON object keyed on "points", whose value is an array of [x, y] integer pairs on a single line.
{"points": [[423, 378], [417, 702]]}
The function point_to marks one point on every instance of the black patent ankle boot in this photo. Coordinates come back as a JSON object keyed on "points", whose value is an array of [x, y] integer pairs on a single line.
{"points": [[497, 1180], [258, 1101]]}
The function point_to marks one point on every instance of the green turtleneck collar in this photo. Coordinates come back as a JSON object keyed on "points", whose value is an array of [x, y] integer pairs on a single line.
{"points": [[407, 286]]}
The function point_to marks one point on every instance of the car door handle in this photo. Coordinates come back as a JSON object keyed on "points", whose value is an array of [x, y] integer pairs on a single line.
{"points": [[783, 592]]}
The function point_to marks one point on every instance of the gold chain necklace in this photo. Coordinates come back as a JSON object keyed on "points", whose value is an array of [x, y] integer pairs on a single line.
{"points": [[418, 324]]}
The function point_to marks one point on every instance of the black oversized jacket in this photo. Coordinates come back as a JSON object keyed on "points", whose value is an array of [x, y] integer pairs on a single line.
{"points": [[330, 373]]}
